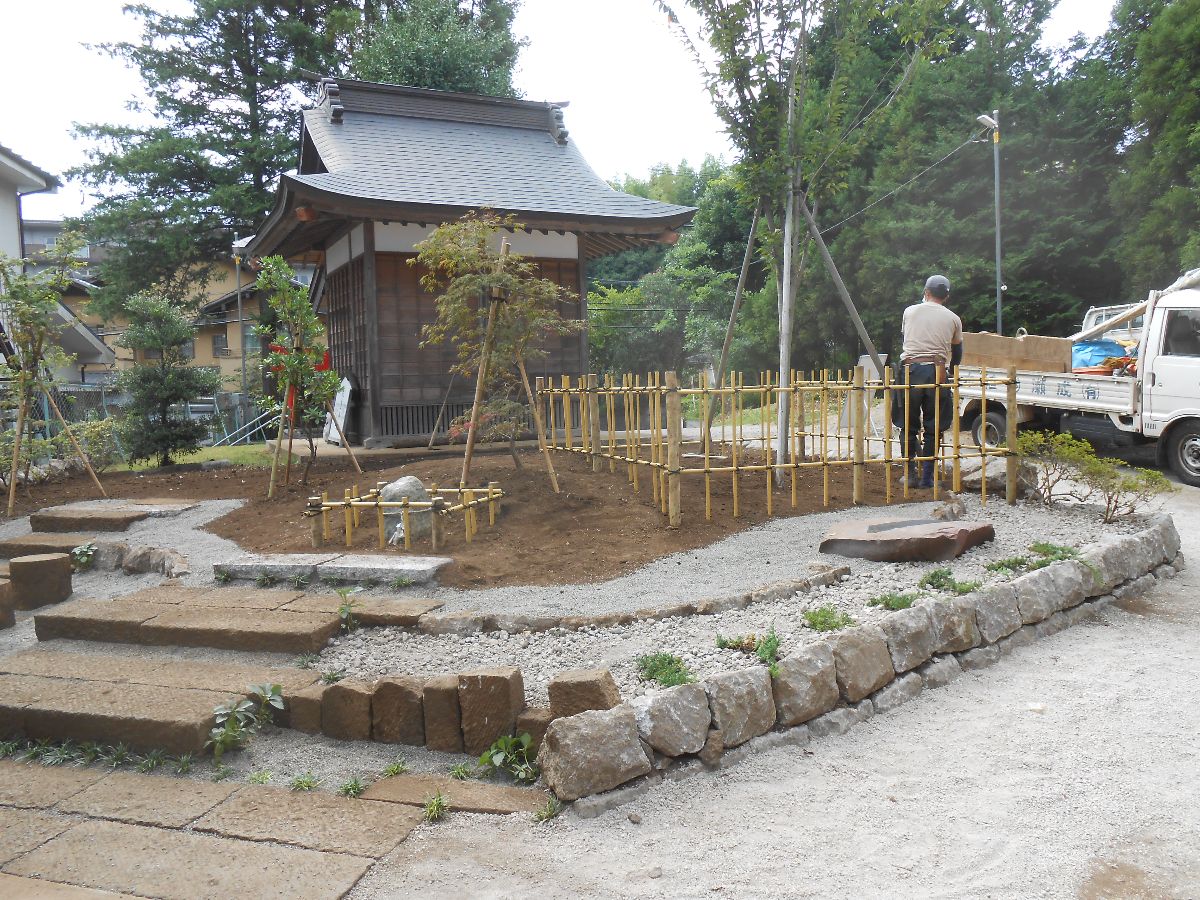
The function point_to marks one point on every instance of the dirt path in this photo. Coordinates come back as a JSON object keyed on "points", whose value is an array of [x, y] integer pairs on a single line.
{"points": [[1067, 770]]}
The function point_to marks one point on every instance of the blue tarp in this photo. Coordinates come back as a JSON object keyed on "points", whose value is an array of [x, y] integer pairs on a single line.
{"points": [[1093, 353]]}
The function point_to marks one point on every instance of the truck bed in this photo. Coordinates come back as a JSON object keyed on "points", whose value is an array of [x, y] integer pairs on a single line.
{"points": [[1104, 394]]}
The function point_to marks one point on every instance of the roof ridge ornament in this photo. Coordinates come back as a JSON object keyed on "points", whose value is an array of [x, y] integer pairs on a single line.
{"points": [[557, 128], [331, 93]]}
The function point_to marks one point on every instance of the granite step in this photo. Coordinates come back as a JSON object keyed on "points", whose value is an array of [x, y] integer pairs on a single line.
{"points": [[72, 518], [44, 542]]}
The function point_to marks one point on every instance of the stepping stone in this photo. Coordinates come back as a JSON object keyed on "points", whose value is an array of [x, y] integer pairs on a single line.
{"points": [[32, 889], [382, 569], [34, 786], [268, 631], [148, 799], [280, 566], [23, 829], [224, 597], [463, 796], [81, 518], [180, 865], [44, 542], [370, 611], [316, 821], [40, 579], [905, 539], [118, 621]]}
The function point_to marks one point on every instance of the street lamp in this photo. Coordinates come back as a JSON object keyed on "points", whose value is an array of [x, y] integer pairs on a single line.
{"points": [[993, 122]]}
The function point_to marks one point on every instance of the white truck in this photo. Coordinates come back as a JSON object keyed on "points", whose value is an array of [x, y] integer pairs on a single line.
{"points": [[1160, 404]]}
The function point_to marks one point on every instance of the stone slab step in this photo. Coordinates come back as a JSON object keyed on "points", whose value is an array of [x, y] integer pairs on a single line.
{"points": [[370, 611], [381, 569], [37, 787], [33, 889], [183, 865], [73, 518], [148, 799], [142, 716], [44, 542], [463, 796]]}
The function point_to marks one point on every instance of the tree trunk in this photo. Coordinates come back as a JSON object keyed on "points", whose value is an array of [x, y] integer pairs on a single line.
{"points": [[512, 451]]}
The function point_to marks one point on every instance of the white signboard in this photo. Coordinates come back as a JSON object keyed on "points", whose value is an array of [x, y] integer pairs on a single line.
{"points": [[340, 404]]}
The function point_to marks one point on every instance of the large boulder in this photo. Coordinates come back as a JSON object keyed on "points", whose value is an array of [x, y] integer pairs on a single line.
{"points": [[905, 539], [419, 523], [741, 703], [996, 612], [1037, 598], [673, 721], [805, 685], [909, 637], [862, 661], [594, 751], [952, 620]]}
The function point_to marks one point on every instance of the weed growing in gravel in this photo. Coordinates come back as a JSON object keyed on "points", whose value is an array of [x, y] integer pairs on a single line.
{"points": [[398, 766], [548, 810], [346, 611], [265, 580], [66, 752], [182, 764], [436, 807], [461, 771], [263, 777], [744, 642], [155, 759], [511, 755], [331, 582], [116, 756], [893, 601], [221, 771], [236, 722], [333, 676], [269, 698], [307, 660], [764, 646], [83, 557], [9, 748], [306, 782], [400, 582], [369, 583], [89, 752], [222, 578], [1010, 566], [942, 580], [352, 788], [34, 750], [1050, 553], [827, 618], [665, 668], [299, 582]]}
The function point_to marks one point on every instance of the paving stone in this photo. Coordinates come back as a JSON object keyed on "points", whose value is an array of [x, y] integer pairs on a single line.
{"points": [[40, 579], [8, 617], [32, 786], [996, 612], [979, 658], [806, 684], [316, 821], [489, 701], [281, 566], [148, 799], [953, 622], [397, 714], [346, 710], [443, 717], [940, 671], [239, 598], [906, 687], [43, 542], [370, 611], [594, 751], [78, 518], [534, 720], [466, 622], [905, 539], [863, 663], [464, 796], [268, 631], [576, 690], [383, 569], [23, 829], [179, 865], [741, 703], [33, 889], [909, 634], [302, 708], [118, 621]]}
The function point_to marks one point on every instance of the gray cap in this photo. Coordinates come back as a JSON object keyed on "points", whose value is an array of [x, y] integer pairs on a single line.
{"points": [[938, 285]]}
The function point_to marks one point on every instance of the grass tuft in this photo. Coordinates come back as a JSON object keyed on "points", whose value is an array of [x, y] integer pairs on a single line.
{"points": [[665, 668], [436, 807], [893, 601], [306, 782], [827, 618]]}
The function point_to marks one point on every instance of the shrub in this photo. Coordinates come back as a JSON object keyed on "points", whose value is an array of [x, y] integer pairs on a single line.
{"points": [[665, 668], [352, 788], [436, 807], [548, 810], [1058, 459], [83, 556], [99, 439], [397, 767], [827, 618], [1122, 492]]}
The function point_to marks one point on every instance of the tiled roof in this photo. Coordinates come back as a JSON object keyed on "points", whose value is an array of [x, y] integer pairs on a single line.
{"points": [[51, 180]]}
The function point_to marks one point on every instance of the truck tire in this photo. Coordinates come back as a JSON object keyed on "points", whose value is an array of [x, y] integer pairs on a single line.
{"points": [[996, 425], [1183, 452]]}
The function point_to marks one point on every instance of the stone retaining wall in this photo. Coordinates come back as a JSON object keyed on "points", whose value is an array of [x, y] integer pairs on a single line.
{"points": [[827, 687]]}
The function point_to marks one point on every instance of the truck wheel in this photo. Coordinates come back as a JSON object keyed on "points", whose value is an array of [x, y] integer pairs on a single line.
{"points": [[995, 426], [1183, 452]]}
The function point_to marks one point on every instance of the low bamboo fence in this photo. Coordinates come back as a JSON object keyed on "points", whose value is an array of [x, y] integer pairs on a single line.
{"points": [[443, 504], [835, 420]]}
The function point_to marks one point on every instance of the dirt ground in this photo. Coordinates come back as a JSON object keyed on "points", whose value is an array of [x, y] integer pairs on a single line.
{"points": [[597, 528]]}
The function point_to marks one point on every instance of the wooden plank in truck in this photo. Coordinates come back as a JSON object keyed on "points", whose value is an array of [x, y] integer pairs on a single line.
{"points": [[1031, 352]]}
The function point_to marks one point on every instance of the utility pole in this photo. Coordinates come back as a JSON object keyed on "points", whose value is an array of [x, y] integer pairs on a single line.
{"points": [[237, 262], [993, 122]]}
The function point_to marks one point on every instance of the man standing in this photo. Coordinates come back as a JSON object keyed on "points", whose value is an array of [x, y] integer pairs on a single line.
{"points": [[932, 347]]}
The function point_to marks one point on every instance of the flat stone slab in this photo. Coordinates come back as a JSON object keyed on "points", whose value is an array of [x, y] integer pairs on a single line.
{"points": [[383, 569], [119, 621], [76, 518], [463, 796], [44, 542], [33, 786], [316, 821], [279, 565], [148, 799], [240, 629], [23, 829], [180, 865], [905, 539], [370, 611], [221, 597], [31, 889]]}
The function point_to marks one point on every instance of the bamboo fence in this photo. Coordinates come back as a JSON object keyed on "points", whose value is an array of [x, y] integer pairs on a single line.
{"points": [[444, 503], [837, 419]]}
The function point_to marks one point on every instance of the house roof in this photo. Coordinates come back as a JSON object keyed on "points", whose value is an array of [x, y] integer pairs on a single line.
{"points": [[25, 174], [408, 154]]}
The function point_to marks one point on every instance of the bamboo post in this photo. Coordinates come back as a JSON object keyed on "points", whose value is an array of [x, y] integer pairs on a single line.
{"points": [[657, 484], [342, 437], [278, 440], [858, 394], [1010, 419], [983, 399], [325, 535], [610, 412], [795, 426], [660, 405], [349, 510], [568, 418], [380, 523], [906, 434], [593, 399], [887, 431], [22, 408], [937, 428], [535, 406], [585, 411], [493, 490], [955, 424], [636, 400], [768, 456], [489, 337], [357, 513], [825, 435], [674, 442], [464, 495], [314, 512], [404, 523], [735, 415], [435, 520], [707, 443]]}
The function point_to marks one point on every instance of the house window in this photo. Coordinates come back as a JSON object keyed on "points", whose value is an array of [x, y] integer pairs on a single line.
{"points": [[250, 336], [220, 343], [188, 350]]}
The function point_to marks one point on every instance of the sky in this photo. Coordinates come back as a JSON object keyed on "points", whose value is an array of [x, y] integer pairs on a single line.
{"points": [[636, 98]]}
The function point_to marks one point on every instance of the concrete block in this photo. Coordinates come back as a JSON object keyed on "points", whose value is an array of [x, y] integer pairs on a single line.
{"points": [[443, 718], [489, 701]]}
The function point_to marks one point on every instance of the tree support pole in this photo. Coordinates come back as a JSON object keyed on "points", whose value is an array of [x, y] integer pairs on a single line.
{"points": [[74, 443], [489, 336], [537, 423], [279, 440], [342, 436], [738, 294], [16, 456]]}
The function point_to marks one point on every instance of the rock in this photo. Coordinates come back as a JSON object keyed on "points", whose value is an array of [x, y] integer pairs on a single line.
{"points": [[346, 711], [952, 623], [8, 618], [979, 658], [674, 721], [1052, 625], [836, 721], [714, 747], [806, 684], [862, 662], [996, 612], [971, 469], [138, 560], [940, 671], [909, 637], [109, 555], [905, 688], [1169, 534], [170, 563], [905, 539], [635, 819], [1096, 580], [39, 579], [533, 721], [489, 701], [949, 510], [460, 623], [397, 711], [594, 751], [1136, 588], [443, 719], [1020, 638], [741, 703], [420, 523], [303, 708], [1037, 597], [577, 690]]}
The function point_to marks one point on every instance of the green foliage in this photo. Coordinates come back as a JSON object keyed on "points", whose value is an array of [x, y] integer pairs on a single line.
{"points": [[89, 752], [510, 754], [398, 766], [827, 618], [941, 579], [269, 698], [893, 601], [222, 577], [1050, 553], [461, 771], [265, 580], [1058, 458], [182, 764], [548, 810], [9, 748], [83, 556], [306, 782], [152, 426], [665, 668], [236, 722], [400, 582], [153, 760], [354, 787], [307, 660], [221, 771], [332, 676], [99, 438], [1008, 566], [66, 752], [436, 807], [346, 611], [764, 646], [116, 756], [261, 777], [299, 582], [1122, 492]]}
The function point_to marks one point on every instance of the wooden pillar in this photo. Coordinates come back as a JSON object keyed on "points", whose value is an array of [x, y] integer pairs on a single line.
{"points": [[859, 426], [371, 314], [674, 447], [581, 242], [593, 401]]}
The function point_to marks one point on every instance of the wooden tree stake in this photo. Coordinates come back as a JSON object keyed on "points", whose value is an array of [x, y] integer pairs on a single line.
{"points": [[279, 440], [536, 407], [674, 445], [74, 443], [342, 437], [16, 456], [1010, 418]]}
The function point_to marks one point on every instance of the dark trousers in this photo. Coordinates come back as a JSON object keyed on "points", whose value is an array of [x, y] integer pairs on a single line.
{"points": [[922, 406]]}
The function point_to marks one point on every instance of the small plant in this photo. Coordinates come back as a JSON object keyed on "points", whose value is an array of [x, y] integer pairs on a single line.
{"points": [[182, 764], [332, 676], [1122, 492], [368, 583], [744, 643], [261, 777], [1058, 459], [155, 759], [665, 668], [547, 811], [331, 582], [9, 748], [221, 771], [269, 698], [766, 648], [352, 788], [265, 580], [510, 754], [1050, 553], [35, 750], [83, 557], [893, 601], [436, 807], [307, 660], [966, 587], [116, 756], [306, 782], [461, 771], [827, 618], [236, 721], [1010, 566], [942, 580], [298, 581], [346, 611], [66, 752], [398, 766], [222, 577], [400, 582]]}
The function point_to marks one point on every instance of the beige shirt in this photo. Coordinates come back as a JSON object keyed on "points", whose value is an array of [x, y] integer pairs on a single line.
{"points": [[929, 331]]}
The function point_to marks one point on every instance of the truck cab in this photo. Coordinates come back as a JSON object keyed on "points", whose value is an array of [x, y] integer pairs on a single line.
{"points": [[1170, 381]]}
